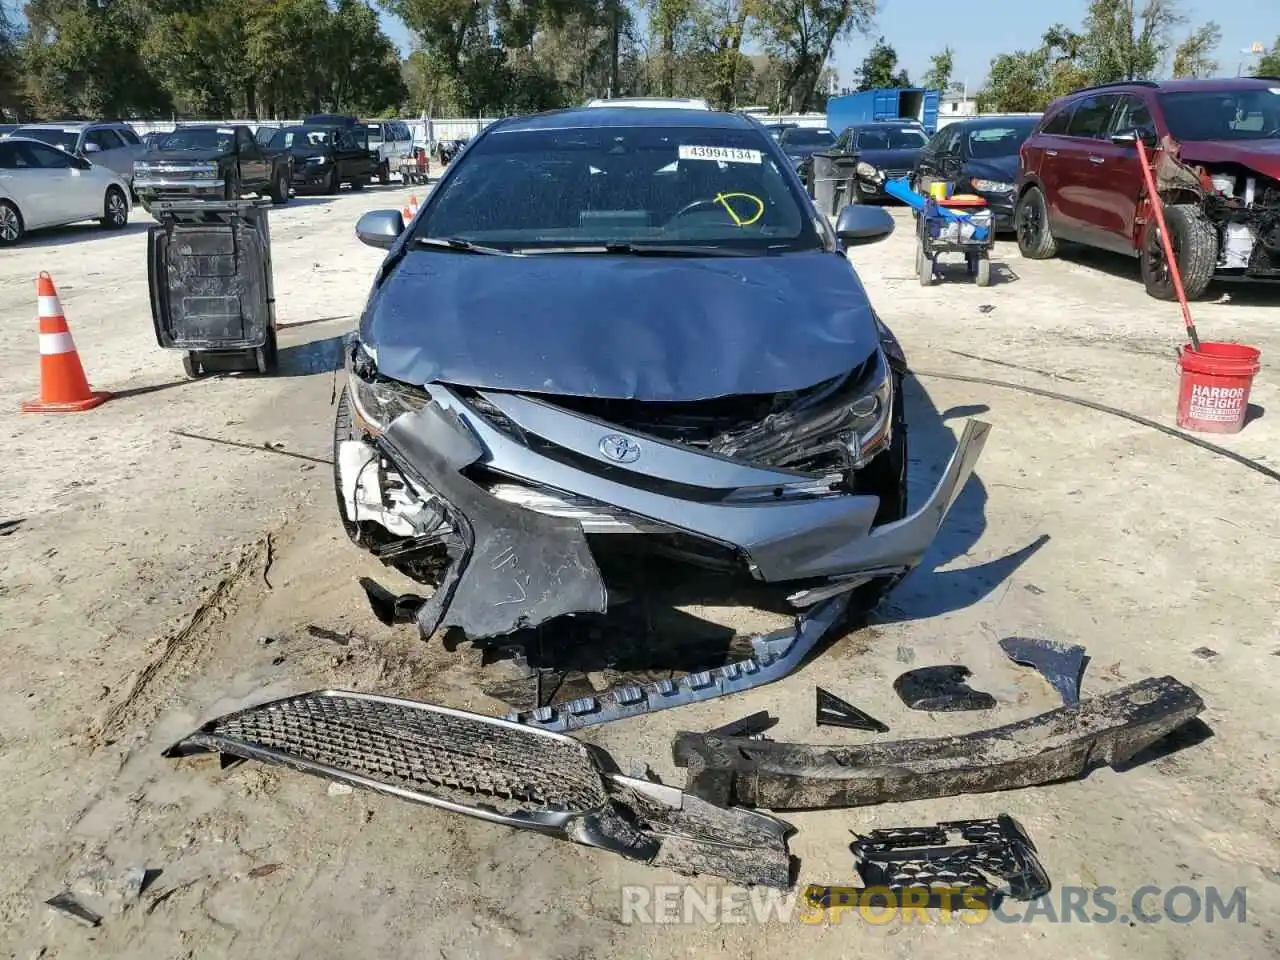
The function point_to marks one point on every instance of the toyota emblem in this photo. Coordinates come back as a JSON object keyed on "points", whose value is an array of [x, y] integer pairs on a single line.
{"points": [[620, 449]]}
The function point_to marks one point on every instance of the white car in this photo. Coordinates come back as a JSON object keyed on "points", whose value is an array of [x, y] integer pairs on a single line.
{"points": [[42, 186]]}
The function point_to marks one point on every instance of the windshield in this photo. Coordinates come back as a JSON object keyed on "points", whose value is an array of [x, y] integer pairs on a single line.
{"points": [[987, 143], [199, 138], [1252, 114], [296, 138], [55, 138], [798, 138], [892, 138], [708, 187]]}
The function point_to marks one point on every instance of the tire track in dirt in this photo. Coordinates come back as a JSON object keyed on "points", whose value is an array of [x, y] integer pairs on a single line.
{"points": [[186, 646]]}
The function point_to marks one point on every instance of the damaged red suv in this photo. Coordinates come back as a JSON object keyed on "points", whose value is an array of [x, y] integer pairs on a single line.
{"points": [[1080, 180]]}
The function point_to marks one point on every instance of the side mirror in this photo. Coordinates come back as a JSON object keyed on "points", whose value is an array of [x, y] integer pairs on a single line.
{"points": [[380, 228], [859, 224], [92, 148], [1131, 137]]}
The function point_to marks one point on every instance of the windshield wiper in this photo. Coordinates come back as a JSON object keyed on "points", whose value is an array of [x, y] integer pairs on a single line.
{"points": [[462, 246], [621, 248]]}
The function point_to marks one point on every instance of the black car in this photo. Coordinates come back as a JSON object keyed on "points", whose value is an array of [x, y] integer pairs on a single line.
{"points": [[800, 143], [324, 158], [864, 156], [979, 156], [776, 130], [615, 331]]}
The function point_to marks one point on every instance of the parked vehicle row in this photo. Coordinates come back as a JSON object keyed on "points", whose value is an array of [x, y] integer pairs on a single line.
{"points": [[61, 173]]}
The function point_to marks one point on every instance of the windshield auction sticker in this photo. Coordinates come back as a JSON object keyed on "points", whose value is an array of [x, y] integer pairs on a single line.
{"points": [[690, 151]]}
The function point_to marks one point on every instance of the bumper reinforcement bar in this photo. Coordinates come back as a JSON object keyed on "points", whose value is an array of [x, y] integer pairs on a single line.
{"points": [[501, 772], [1059, 745]]}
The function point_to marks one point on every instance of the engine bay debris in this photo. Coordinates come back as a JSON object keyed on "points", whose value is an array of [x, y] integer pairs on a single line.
{"points": [[1059, 745], [502, 772], [954, 865]]}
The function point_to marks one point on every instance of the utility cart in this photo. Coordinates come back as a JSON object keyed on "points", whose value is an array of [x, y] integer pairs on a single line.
{"points": [[209, 273], [959, 224], [415, 167]]}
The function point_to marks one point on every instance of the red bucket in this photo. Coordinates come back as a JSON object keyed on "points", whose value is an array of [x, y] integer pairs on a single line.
{"points": [[1214, 394]]}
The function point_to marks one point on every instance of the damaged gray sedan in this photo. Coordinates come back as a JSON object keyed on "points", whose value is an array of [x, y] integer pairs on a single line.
{"points": [[614, 331]]}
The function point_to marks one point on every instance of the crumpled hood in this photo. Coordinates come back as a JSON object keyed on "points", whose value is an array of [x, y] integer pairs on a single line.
{"points": [[646, 328], [1260, 155]]}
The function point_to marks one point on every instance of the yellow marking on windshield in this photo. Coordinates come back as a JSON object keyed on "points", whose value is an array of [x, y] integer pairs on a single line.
{"points": [[723, 200]]}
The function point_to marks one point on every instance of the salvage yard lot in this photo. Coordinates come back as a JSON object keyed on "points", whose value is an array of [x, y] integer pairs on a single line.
{"points": [[161, 579]]}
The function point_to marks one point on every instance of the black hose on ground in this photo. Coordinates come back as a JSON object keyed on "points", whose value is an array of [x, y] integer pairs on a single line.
{"points": [[1113, 411]]}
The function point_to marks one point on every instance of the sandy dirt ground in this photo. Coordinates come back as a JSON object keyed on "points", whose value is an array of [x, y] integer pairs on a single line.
{"points": [[158, 580]]}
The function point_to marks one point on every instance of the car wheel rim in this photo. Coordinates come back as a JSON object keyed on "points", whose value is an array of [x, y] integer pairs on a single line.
{"points": [[115, 208], [1159, 263], [8, 224], [1029, 225]]}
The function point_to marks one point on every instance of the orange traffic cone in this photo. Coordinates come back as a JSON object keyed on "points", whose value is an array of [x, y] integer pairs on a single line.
{"points": [[413, 206], [406, 214], [63, 387]]}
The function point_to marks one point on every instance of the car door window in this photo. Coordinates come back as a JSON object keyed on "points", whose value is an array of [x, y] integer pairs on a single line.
{"points": [[40, 157], [128, 136], [8, 157], [104, 139], [1091, 117], [1057, 124], [1132, 114]]}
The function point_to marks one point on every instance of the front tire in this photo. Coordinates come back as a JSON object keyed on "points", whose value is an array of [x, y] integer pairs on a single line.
{"points": [[12, 229], [280, 187], [115, 209], [332, 183], [1195, 244], [1031, 223], [384, 172]]}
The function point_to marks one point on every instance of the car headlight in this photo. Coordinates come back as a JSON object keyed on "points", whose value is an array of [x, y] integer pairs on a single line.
{"points": [[378, 401], [866, 170], [872, 413], [991, 186], [317, 160]]}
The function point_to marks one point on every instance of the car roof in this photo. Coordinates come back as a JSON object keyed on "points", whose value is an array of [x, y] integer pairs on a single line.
{"points": [[651, 103], [978, 123], [587, 117], [1185, 85], [72, 124]]}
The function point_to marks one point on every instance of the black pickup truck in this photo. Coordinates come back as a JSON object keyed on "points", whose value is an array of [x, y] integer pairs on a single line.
{"points": [[214, 161]]}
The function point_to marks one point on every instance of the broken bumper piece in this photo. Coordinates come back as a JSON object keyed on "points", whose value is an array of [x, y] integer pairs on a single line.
{"points": [[502, 772], [1059, 745], [776, 655], [960, 864]]}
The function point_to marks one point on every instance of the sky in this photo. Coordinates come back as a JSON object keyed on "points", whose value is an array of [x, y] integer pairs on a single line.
{"points": [[984, 28]]}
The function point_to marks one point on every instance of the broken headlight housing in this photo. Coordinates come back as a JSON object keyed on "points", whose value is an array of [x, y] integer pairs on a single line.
{"points": [[378, 401], [871, 411]]}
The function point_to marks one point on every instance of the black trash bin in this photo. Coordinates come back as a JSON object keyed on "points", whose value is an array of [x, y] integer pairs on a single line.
{"points": [[209, 270]]}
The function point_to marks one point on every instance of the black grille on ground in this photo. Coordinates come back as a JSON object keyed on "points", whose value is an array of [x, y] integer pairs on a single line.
{"points": [[419, 749]]}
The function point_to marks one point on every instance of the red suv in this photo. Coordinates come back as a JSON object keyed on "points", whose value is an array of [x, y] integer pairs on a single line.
{"points": [[1080, 181]]}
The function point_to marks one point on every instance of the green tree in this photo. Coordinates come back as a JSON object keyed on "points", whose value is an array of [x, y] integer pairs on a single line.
{"points": [[941, 66], [1123, 42], [1194, 56], [1016, 83], [10, 67], [879, 69], [801, 34], [1269, 63]]}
